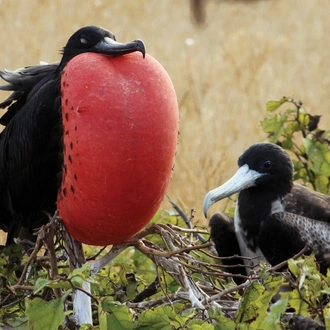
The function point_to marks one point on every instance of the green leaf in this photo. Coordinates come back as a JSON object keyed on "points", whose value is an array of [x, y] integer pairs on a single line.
{"points": [[60, 284], [326, 314], [322, 184], [222, 322], [272, 320], [274, 125], [287, 144], [250, 309], [114, 316], [131, 287], [82, 271], [40, 284], [45, 314], [18, 323], [274, 105], [319, 156], [292, 265], [161, 318], [295, 301], [199, 325], [255, 302]]}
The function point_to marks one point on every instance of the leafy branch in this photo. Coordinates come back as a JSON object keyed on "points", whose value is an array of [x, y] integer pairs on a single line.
{"points": [[297, 131]]}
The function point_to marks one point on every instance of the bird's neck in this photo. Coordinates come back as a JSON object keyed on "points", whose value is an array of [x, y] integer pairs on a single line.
{"points": [[253, 207]]}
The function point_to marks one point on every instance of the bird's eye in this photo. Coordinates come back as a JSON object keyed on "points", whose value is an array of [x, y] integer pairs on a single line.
{"points": [[83, 40], [267, 164]]}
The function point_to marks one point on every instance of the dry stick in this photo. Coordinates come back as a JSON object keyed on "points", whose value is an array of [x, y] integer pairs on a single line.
{"points": [[230, 290], [190, 226], [147, 250], [49, 233], [33, 255], [171, 264], [117, 249], [107, 258], [174, 269], [22, 287], [188, 230], [185, 219], [158, 257], [210, 273], [163, 287]]}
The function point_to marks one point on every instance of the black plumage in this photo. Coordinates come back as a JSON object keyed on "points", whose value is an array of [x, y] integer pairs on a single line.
{"points": [[274, 219], [222, 232], [31, 145]]}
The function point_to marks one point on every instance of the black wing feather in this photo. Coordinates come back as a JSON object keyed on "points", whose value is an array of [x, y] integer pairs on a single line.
{"points": [[30, 149], [24, 83]]}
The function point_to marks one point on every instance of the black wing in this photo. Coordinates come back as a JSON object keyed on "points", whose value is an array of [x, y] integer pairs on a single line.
{"points": [[24, 83], [30, 149], [308, 203]]}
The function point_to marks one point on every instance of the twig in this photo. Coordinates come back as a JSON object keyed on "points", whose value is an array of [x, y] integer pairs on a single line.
{"points": [[107, 258], [32, 256], [285, 263], [230, 290], [146, 250], [49, 231], [186, 219], [188, 230]]}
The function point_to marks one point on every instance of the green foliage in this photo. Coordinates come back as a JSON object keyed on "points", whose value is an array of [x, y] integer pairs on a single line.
{"points": [[297, 131], [31, 298], [255, 302], [114, 315], [45, 314]]}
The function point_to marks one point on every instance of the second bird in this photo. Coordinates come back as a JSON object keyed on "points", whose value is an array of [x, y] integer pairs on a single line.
{"points": [[274, 219]]}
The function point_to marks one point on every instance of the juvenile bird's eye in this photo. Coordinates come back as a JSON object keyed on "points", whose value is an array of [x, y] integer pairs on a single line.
{"points": [[267, 164]]}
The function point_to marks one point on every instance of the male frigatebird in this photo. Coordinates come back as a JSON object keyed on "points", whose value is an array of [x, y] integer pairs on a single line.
{"points": [[31, 145], [274, 219]]}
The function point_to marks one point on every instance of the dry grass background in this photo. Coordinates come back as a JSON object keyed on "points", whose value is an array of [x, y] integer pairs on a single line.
{"points": [[224, 72]]}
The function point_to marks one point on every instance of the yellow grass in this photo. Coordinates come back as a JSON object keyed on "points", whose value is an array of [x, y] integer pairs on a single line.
{"points": [[248, 52]]}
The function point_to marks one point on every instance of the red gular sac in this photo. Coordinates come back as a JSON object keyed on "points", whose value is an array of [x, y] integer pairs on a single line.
{"points": [[120, 125]]}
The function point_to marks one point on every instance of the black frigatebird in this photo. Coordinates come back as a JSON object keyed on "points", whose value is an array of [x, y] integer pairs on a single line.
{"points": [[31, 145], [274, 218]]}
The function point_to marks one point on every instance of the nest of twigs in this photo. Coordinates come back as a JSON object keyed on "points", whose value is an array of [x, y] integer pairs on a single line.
{"points": [[185, 254]]}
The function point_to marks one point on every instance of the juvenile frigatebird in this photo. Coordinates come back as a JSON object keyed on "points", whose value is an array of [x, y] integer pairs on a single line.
{"points": [[31, 145], [274, 219]]}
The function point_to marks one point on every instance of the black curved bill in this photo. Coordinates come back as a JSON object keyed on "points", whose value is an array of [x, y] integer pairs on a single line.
{"points": [[109, 46]]}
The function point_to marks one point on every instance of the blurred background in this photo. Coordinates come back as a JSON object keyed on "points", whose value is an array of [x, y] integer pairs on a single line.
{"points": [[226, 58]]}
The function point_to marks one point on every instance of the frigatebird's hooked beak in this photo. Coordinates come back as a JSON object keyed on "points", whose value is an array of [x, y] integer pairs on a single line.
{"points": [[109, 46], [244, 178]]}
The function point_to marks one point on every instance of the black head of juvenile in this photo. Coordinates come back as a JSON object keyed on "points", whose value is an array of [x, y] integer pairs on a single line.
{"points": [[273, 164], [94, 39], [263, 168]]}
